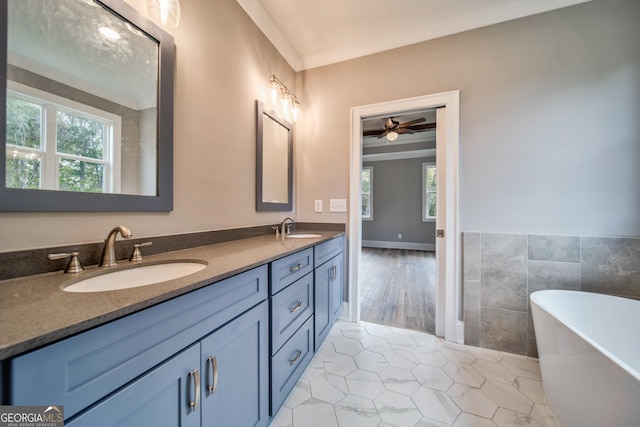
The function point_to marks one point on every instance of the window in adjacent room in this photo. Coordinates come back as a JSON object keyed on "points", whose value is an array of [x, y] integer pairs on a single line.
{"points": [[366, 184], [428, 192], [57, 144]]}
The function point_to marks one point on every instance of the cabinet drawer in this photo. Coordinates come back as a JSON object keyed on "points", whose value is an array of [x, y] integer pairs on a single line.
{"points": [[290, 268], [327, 250], [289, 309], [289, 363], [83, 369]]}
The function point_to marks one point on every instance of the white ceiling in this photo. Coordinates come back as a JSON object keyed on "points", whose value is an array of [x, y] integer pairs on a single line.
{"points": [[312, 33]]}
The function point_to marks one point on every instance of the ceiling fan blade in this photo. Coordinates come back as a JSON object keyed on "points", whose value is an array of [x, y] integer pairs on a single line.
{"points": [[372, 132], [405, 130], [383, 134], [420, 128], [412, 122]]}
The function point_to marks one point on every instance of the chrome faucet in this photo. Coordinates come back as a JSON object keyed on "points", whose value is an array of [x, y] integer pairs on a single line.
{"points": [[108, 258], [282, 225]]}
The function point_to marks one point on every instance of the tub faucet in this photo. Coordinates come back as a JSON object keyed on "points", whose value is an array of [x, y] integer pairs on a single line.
{"points": [[282, 225], [108, 258]]}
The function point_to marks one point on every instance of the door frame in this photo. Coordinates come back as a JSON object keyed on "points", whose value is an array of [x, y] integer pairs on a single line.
{"points": [[448, 307]]}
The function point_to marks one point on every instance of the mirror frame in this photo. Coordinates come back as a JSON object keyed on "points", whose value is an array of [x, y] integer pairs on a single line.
{"points": [[27, 200], [262, 112]]}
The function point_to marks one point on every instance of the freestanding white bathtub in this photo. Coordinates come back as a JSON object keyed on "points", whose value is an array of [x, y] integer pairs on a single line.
{"points": [[589, 352]]}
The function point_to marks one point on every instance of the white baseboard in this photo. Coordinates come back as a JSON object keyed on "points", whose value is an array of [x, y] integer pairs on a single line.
{"points": [[460, 332], [399, 245], [344, 313]]}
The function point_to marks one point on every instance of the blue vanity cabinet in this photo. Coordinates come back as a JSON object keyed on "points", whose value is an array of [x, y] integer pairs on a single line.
{"points": [[291, 299], [161, 398], [220, 381], [141, 356], [235, 372], [328, 287]]}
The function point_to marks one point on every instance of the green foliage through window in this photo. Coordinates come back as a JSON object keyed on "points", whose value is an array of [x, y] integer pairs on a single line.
{"points": [[78, 149], [367, 173], [429, 188]]}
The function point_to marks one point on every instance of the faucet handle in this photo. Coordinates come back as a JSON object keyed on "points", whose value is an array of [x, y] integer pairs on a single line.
{"points": [[136, 255], [73, 266], [276, 230]]}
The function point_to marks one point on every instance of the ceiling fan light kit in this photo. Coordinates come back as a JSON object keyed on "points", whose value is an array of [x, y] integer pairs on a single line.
{"points": [[393, 128]]}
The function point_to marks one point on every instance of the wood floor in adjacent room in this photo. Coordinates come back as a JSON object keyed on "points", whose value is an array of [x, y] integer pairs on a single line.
{"points": [[398, 288]]}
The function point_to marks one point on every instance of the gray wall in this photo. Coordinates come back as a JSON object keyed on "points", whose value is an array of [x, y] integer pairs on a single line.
{"points": [[500, 271], [549, 128], [397, 203]]}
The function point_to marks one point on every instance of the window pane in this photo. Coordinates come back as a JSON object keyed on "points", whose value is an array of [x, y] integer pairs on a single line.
{"points": [[76, 175], [366, 181], [79, 136], [23, 123], [366, 207], [431, 179], [23, 170], [431, 204]]}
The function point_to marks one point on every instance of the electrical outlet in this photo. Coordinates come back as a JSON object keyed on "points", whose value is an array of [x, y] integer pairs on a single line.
{"points": [[317, 205], [337, 205], [399, 236]]}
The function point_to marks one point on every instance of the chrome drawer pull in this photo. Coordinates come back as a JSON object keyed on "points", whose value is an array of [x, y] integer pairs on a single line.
{"points": [[334, 273], [295, 307], [195, 374], [295, 268], [213, 387], [295, 359]]}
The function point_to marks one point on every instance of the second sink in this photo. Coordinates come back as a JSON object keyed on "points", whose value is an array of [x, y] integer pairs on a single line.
{"points": [[134, 277], [303, 235]]}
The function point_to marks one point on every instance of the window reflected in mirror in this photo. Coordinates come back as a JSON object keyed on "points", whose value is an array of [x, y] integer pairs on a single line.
{"points": [[81, 100]]}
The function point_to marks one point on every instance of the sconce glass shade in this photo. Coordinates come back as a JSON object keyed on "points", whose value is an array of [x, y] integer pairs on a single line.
{"points": [[164, 12], [283, 100], [296, 111], [392, 136]]}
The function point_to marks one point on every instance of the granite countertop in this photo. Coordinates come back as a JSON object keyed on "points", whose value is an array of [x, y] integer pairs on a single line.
{"points": [[35, 311]]}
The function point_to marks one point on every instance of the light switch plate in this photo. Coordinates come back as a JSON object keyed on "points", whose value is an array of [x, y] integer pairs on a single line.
{"points": [[337, 205], [317, 205]]}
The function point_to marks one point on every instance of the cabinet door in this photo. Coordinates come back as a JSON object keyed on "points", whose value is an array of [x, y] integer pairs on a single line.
{"points": [[165, 397], [235, 363], [335, 276], [322, 299]]}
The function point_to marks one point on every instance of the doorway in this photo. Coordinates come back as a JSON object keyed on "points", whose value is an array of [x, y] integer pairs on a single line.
{"points": [[447, 258], [397, 272]]}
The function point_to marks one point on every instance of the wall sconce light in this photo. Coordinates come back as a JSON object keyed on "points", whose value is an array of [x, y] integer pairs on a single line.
{"points": [[164, 12], [283, 98]]}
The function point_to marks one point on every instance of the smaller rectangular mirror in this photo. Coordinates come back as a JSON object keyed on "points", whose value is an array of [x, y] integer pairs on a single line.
{"points": [[274, 161]]}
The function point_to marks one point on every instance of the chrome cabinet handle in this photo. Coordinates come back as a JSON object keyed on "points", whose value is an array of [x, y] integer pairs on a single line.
{"points": [[213, 387], [195, 374], [295, 359], [295, 268], [295, 307], [334, 273]]}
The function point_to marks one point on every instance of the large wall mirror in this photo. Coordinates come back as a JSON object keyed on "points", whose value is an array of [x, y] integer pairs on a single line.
{"points": [[88, 117], [274, 161]]}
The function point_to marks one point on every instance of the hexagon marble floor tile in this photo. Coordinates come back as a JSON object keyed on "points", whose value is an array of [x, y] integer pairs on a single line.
{"points": [[369, 375]]}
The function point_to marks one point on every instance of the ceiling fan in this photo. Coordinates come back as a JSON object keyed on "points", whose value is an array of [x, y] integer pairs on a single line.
{"points": [[393, 128]]}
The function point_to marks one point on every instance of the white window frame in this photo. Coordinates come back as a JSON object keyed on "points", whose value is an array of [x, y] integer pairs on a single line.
{"points": [[425, 192], [370, 193], [49, 166]]}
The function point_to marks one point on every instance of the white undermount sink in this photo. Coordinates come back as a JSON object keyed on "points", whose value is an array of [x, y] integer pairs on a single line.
{"points": [[134, 277], [303, 235]]}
